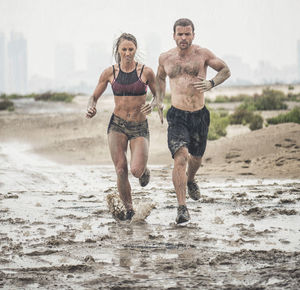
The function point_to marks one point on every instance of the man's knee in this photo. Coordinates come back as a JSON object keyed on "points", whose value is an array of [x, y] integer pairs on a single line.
{"points": [[196, 159], [121, 169], [181, 157]]}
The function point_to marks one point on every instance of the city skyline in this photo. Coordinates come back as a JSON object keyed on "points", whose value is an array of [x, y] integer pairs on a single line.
{"points": [[68, 78], [254, 37]]}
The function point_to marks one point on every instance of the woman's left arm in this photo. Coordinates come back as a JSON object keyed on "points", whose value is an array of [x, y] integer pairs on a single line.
{"points": [[147, 108]]}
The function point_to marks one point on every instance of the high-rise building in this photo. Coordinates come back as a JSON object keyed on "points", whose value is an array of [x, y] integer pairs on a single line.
{"points": [[97, 59], [298, 58], [64, 62], [2, 63], [17, 64]]}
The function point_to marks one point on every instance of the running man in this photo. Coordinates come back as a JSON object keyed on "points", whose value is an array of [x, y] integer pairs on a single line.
{"points": [[188, 118]]}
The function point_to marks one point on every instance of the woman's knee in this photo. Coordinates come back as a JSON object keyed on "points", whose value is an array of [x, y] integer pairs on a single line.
{"points": [[137, 171]]}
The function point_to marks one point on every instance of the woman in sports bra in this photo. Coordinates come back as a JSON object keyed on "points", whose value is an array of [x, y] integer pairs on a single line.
{"points": [[128, 124]]}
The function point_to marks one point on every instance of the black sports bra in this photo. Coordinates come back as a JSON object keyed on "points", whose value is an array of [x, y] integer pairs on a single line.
{"points": [[128, 84]]}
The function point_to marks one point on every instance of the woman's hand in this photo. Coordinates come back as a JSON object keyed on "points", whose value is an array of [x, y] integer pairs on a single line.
{"points": [[146, 109], [91, 112]]}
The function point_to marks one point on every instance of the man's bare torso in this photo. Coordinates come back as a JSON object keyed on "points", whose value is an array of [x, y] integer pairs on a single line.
{"points": [[183, 70]]}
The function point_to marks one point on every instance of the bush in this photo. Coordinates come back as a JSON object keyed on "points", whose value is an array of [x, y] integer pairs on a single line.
{"points": [[16, 96], [6, 105], [237, 98], [217, 126], [290, 117], [293, 97], [241, 115], [222, 99], [256, 122], [55, 97], [270, 100]]}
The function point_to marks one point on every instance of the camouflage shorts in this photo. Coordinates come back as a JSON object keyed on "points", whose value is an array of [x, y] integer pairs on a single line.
{"points": [[130, 129]]}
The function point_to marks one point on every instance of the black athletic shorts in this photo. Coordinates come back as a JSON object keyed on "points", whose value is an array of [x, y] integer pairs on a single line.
{"points": [[188, 129], [130, 129]]}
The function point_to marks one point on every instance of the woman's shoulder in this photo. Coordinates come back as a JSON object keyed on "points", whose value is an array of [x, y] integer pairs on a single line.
{"points": [[146, 69], [109, 70]]}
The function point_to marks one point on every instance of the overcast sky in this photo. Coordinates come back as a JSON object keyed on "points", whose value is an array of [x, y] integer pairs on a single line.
{"points": [[254, 30]]}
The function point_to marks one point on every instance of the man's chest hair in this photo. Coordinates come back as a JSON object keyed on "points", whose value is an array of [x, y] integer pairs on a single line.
{"points": [[178, 68]]}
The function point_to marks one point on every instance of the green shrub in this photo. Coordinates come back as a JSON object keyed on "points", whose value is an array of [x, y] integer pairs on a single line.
{"points": [[290, 117], [16, 96], [6, 105], [290, 87], [222, 99], [256, 122], [270, 100], [293, 97], [237, 98], [217, 126], [241, 115], [55, 97]]}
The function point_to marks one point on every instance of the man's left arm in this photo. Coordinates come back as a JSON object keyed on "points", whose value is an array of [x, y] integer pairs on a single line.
{"points": [[223, 73]]}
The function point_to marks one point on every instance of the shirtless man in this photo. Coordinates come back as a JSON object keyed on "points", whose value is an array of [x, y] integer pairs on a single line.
{"points": [[188, 118]]}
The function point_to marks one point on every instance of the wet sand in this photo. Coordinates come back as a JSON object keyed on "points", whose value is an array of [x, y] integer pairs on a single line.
{"points": [[57, 231]]}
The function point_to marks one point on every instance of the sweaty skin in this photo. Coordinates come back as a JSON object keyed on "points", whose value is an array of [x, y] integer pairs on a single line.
{"points": [[129, 108], [186, 66]]}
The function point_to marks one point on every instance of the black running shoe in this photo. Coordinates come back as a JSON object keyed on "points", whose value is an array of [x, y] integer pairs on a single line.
{"points": [[193, 190], [182, 214], [130, 214], [144, 179]]}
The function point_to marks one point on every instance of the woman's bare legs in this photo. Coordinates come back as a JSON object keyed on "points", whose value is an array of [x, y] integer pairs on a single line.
{"points": [[139, 156], [118, 147]]}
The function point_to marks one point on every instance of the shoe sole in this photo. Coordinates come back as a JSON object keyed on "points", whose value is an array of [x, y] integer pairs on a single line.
{"points": [[182, 220], [143, 184]]}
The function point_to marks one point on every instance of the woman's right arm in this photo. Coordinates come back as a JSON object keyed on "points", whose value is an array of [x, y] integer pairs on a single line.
{"points": [[99, 90]]}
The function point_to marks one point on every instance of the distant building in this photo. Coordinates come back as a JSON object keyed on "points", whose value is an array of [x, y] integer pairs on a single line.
{"points": [[17, 64], [97, 59], [298, 58], [153, 50], [64, 63], [2, 63], [241, 72]]}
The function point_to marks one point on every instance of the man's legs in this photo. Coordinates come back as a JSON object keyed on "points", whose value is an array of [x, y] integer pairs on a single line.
{"points": [[179, 174], [179, 180], [194, 164]]}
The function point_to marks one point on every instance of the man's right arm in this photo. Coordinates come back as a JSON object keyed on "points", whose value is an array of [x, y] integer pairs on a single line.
{"points": [[99, 90]]}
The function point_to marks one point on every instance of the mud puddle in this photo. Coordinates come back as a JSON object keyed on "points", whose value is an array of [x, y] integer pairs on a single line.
{"points": [[56, 230]]}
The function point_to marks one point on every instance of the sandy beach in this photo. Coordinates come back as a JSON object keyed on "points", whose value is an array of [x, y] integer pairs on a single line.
{"points": [[57, 231]]}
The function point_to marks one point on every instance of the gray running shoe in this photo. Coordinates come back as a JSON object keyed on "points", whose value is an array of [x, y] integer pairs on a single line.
{"points": [[129, 214], [193, 190], [144, 179], [182, 214]]}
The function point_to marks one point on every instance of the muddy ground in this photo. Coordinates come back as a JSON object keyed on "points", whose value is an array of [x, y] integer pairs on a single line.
{"points": [[56, 230]]}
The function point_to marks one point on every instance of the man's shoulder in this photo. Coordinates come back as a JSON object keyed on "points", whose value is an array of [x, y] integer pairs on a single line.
{"points": [[167, 54], [202, 51], [199, 49]]}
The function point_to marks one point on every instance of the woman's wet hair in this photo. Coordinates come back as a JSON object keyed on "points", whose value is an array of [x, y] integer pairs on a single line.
{"points": [[123, 36], [183, 22]]}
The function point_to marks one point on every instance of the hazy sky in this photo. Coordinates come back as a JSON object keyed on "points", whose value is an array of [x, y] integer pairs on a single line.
{"points": [[254, 30]]}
